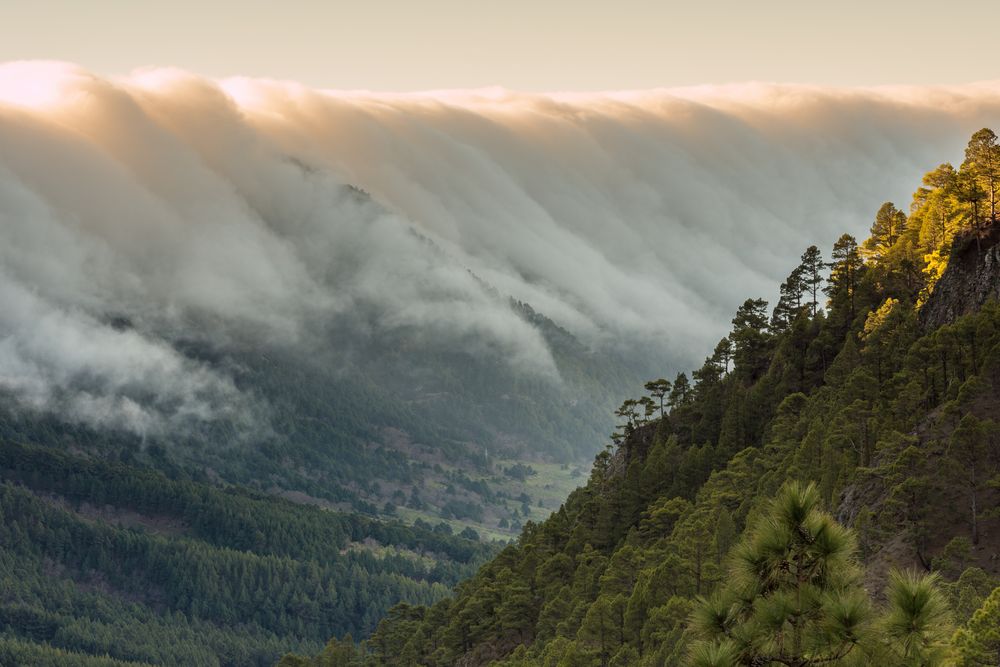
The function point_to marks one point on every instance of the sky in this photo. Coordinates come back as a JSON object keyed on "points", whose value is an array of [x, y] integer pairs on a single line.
{"points": [[518, 44]]}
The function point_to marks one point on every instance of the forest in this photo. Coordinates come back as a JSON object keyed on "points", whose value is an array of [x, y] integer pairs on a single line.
{"points": [[823, 490], [104, 559]]}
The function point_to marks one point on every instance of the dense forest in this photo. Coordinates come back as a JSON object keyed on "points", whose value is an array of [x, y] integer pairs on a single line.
{"points": [[822, 491], [101, 558]]}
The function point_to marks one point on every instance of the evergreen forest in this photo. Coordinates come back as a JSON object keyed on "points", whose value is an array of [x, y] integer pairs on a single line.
{"points": [[823, 490]]}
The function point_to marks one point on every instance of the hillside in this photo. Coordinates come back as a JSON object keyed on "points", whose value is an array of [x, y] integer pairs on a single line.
{"points": [[101, 558], [890, 414], [362, 420]]}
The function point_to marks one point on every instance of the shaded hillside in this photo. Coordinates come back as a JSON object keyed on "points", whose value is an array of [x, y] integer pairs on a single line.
{"points": [[372, 419], [894, 424], [100, 558]]}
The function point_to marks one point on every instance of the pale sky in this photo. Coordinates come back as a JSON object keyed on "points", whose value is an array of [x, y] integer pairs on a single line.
{"points": [[518, 44]]}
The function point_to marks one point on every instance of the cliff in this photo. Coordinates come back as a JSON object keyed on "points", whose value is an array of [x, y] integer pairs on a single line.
{"points": [[971, 279]]}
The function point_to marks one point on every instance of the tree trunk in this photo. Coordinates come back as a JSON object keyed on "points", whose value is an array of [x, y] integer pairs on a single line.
{"points": [[975, 515]]}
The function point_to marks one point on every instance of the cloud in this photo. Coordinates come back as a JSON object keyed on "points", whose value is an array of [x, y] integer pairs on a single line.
{"points": [[61, 359], [221, 212], [624, 215]]}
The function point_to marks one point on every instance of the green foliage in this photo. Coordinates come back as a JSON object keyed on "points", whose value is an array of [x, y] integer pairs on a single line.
{"points": [[18, 652], [889, 225], [967, 593], [104, 558], [793, 595], [978, 642], [658, 390], [848, 404], [750, 340], [982, 163], [918, 624]]}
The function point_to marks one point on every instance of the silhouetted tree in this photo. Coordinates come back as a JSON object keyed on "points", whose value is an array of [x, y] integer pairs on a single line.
{"points": [[680, 394], [659, 389], [811, 275]]}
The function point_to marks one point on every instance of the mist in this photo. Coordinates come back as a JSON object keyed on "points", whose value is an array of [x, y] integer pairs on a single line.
{"points": [[141, 211]]}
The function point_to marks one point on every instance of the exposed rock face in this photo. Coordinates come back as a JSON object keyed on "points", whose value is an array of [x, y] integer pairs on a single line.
{"points": [[971, 279], [635, 446]]}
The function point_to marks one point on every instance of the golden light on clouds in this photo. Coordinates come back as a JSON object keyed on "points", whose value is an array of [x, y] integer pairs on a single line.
{"points": [[620, 215], [34, 84]]}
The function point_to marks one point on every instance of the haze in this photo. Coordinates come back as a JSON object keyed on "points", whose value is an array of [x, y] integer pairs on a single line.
{"points": [[535, 46]]}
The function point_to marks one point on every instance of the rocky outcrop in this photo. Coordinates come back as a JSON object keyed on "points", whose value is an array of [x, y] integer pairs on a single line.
{"points": [[971, 279], [635, 447]]}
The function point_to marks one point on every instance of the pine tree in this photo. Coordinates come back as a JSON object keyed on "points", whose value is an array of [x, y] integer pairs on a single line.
{"points": [[917, 626], [789, 301], [659, 389], [723, 354], [936, 213], [978, 643], [793, 595], [969, 191], [603, 628], [628, 412], [811, 272], [889, 225], [845, 275], [648, 408], [982, 159], [973, 451], [750, 339], [680, 394], [517, 612]]}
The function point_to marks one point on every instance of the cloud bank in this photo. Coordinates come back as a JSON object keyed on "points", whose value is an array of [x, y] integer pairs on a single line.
{"points": [[160, 207]]}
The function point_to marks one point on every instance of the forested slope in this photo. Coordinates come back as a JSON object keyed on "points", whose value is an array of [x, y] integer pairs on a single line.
{"points": [[372, 419], [103, 558], [890, 418], [183, 547]]}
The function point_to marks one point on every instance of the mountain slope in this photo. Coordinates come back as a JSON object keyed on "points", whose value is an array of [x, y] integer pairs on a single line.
{"points": [[356, 416], [895, 425], [104, 558]]}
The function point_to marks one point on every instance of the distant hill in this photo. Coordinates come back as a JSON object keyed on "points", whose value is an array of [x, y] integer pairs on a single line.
{"points": [[373, 419], [101, 558]]}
